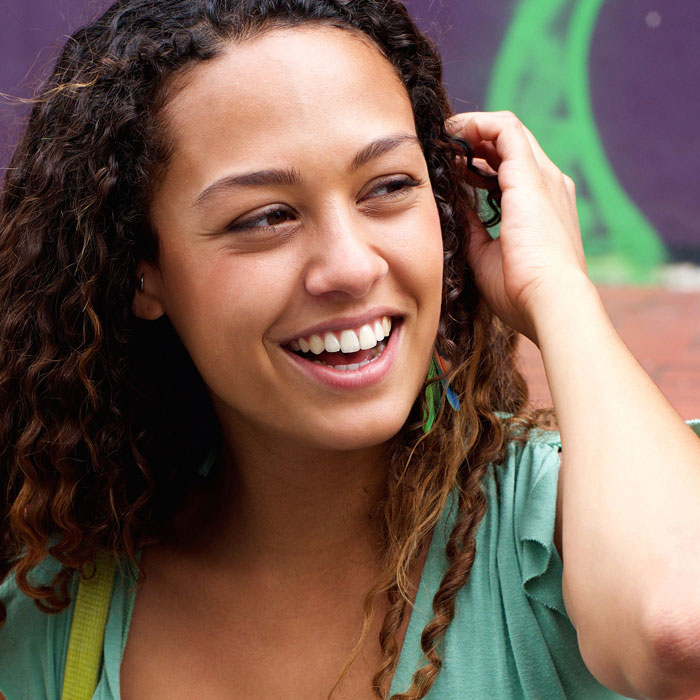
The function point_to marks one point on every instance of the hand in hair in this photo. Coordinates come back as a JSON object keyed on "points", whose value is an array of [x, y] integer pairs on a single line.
{"points": [[630, 487], [539, 248]]}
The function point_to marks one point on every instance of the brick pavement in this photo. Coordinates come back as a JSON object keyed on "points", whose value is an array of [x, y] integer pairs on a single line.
{"points": [[661, 327]]}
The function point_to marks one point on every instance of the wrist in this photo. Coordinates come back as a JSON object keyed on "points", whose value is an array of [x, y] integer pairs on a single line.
{"points": [[557, 305]]}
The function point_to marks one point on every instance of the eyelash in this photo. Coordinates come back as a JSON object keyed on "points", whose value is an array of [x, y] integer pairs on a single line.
{"points": [[404, 182], [401, 183]]}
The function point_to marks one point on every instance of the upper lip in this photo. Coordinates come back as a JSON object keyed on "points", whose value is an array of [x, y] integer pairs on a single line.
{"points": [[340, 323]]}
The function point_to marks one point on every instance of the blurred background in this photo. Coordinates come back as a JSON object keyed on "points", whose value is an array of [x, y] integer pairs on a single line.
{"points": [[610, 88]]}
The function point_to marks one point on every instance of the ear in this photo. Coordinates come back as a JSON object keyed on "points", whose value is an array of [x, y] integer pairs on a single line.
{"points": [[147, 303]]}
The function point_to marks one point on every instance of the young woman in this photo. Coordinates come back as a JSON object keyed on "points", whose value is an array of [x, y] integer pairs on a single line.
{"points": [[257, 349]]}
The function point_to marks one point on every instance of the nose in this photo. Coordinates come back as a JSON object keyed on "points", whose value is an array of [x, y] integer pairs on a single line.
{"points": [[346, 259]]}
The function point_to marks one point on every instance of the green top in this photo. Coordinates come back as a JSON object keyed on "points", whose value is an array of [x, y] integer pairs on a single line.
{"points": [[511, 637]]}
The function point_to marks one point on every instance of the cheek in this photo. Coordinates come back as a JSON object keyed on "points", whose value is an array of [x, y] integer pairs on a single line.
{"points": [[424, 251], [219, 303], [435, 244]]}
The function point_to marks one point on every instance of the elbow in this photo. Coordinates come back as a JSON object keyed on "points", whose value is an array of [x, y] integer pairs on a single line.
{"points": [[671, 669], [656, 659]]}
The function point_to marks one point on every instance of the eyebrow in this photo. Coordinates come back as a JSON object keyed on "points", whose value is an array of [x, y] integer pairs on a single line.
{"points": [[291, 176], [379, 147], [272, 176]]}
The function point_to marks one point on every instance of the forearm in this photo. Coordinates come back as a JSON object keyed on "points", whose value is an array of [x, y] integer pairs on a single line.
{"points": [[630, 485], [630, 498]]}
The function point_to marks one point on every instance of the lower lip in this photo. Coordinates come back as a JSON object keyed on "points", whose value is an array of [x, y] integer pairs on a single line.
{"points": [[372, 373]]}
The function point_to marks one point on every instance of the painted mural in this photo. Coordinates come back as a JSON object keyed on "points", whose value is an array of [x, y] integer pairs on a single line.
{"points": [[611, 88]]}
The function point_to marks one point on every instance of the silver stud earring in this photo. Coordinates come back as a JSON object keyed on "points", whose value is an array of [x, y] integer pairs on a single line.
{"points": [[141, 283]]}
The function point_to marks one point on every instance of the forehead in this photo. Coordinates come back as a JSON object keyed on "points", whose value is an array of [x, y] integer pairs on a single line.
{"points": [[284, 91]]}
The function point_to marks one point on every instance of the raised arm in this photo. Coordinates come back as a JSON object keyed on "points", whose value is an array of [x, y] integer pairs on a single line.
{"points": [[630, 488]]}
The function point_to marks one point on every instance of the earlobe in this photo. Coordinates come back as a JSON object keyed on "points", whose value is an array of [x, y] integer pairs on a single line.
{"points": [[146, 304]]}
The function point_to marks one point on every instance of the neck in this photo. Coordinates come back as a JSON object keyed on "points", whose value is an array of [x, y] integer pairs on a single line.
{"points": [[277, 501]]}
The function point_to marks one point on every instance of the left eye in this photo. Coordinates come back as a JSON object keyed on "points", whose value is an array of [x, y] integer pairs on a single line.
{"points": [[277, 216], [393, 188]]}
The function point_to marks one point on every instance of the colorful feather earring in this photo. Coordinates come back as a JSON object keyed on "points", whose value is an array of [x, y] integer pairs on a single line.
{"points": [[433, 398]]}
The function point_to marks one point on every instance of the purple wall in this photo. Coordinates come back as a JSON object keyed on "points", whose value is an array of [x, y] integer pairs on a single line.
{"points": [[645, 87], [31, 34]]}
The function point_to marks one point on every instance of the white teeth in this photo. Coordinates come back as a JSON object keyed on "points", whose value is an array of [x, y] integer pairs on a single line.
{"points": [[349, 342], [367, 338], [378, 329], [364, 338], [331, 343], [316, 344]]}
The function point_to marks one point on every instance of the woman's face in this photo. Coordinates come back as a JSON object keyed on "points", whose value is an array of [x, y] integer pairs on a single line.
{"points": [[297, 214]]}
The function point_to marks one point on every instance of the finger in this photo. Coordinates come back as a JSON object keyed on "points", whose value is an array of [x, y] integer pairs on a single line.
{"points": [[551, 172], [503, 129], [482, 180], [485, 157], [487, 153], [484, 166], [497, 127], [454, 124], [569, 200], [520, 154], [488, 127], [570, 186], [457, 123], [541, 157]]}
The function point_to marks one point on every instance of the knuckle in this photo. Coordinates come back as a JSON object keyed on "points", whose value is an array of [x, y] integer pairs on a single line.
{"points": [[509, 117], [569, 182]]}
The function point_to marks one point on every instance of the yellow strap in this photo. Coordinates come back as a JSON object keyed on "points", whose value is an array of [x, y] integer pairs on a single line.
{"points": [[87, 631]]}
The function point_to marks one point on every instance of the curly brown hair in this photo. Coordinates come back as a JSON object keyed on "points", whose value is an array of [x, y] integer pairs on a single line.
{"points": [[98, 446]]}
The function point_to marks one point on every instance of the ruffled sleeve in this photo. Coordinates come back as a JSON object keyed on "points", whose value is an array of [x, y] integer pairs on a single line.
{"points": [[527, 495], [533, 500]]}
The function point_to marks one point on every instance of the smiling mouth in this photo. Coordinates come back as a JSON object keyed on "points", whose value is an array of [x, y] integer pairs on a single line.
{"points": [[345, 350]]}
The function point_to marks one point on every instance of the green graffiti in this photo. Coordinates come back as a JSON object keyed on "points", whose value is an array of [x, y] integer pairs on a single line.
{"points": [[541, 74]]}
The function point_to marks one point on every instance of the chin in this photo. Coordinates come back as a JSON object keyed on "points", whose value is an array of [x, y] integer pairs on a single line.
{"points": [[360, 434]]}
